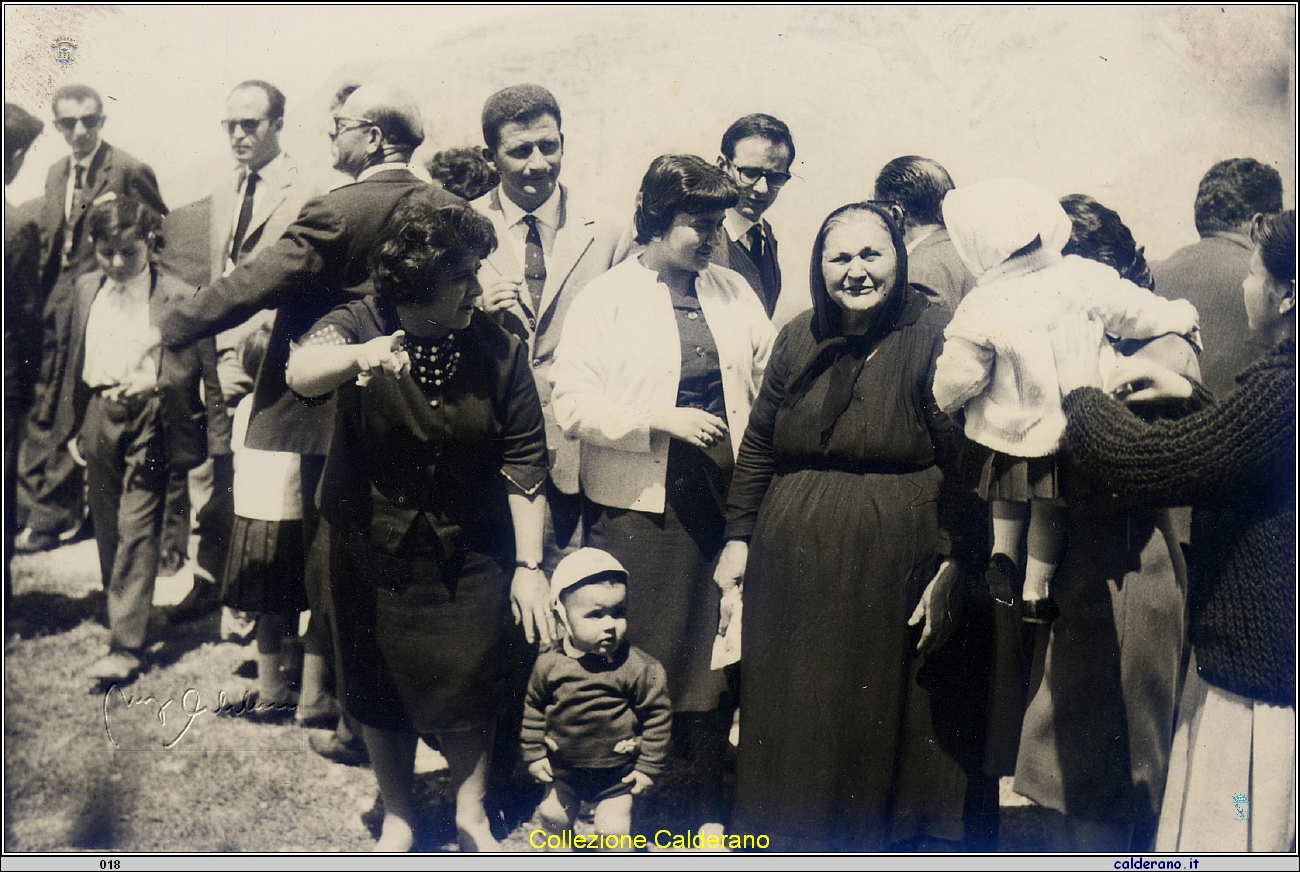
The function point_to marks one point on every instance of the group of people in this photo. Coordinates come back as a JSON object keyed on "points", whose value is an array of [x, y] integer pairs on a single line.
{"points": [[562, 501]]}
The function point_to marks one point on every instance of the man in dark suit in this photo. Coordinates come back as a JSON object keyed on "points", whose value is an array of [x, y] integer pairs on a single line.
{"points": [[22, 314], [50, 499], [319, 262], [1209, 273], [917, 186], [757, 152]]}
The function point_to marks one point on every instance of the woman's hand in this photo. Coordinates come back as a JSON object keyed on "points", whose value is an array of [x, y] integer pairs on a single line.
{"points": [[1142, 379], [383, 355], [692, 426], [1075, 344], [530, 600], [729, 576], [935, 609]]}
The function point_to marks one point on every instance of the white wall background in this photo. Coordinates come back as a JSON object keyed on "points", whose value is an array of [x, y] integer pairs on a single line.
{"points": [[1128, 104]]}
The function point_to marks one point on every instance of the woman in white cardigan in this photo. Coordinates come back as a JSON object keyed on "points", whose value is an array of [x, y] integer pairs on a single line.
{"points": [[659, 363]]}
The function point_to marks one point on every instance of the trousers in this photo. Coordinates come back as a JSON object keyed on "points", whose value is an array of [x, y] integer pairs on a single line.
{"points": [[126, 471]]}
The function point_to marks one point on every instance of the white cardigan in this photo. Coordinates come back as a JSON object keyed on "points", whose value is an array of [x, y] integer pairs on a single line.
{"points": [[619, 363]]}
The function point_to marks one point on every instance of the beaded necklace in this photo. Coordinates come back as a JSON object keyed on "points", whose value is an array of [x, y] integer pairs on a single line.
{"points": [[433, 363]]}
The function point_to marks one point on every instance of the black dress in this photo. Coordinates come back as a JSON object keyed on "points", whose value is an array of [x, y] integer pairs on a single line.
{"points": [[843, 744], [422, 543]]}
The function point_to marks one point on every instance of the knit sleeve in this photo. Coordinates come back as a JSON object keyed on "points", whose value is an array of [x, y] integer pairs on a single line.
{"points": [[966, 364], [1175, 462], [654, 712], [1131, 312], [532, 735], [960, 536]]}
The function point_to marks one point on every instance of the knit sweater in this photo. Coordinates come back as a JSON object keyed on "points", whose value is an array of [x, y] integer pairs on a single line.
{"points": [[586, 705], [1235, 461], [997, 359]]}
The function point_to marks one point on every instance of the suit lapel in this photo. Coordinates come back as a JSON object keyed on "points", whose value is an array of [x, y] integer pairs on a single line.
{"points": [[221, 221], [572, 240], [276, 189], [502, 260], [101, 167]]}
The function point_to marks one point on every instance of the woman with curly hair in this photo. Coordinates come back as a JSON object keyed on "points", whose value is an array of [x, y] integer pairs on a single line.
{"points": [[432, 491]]}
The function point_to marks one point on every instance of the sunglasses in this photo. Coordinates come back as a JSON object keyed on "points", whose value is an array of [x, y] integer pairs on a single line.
{"points": [[90, 122], [750, 176], [342, 126], [250, 126]]}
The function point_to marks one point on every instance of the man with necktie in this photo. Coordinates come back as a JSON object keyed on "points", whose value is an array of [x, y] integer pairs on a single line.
{"points": [[757, 153], [50, 500]]}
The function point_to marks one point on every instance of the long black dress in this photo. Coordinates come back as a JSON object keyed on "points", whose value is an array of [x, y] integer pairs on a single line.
{"points": [[422, 543], [843, 744]]}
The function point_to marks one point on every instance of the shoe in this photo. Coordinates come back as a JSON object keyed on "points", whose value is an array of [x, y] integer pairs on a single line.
{"points": [[171, 563], [203, 599], [330, 747], [1040, 611], [321, 717], [119, 664], [30, 542], [1000, 576]]}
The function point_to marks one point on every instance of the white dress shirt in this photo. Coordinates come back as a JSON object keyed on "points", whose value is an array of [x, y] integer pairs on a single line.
{"points": [[548, 222], [122, 346], [737, 227]]}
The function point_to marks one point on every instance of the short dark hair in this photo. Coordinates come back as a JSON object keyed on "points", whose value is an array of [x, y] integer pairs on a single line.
{"points": [[517, 103], [78, 92], [1275, 236], [758, 124], [421, 235], [123, 217], [21, 129], [463, 172], [252, 349], [274, 96], [918, 184], [677, 183], [1098, 233], [1235, 191]]}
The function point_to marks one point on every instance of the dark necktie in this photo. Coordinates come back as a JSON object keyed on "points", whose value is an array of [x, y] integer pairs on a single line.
{"points": [[768, 277], [534, 263], [74, 213], [245, 218]]}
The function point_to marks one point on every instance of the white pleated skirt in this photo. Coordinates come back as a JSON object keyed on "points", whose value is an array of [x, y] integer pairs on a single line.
{"points": [[1227, 747]]}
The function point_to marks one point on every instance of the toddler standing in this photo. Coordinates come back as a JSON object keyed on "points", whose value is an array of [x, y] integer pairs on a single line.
{"points": [[597, 718]]}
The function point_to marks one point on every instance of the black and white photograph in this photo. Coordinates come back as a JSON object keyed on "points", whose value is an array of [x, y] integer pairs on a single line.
{"points": [[879, 420]]}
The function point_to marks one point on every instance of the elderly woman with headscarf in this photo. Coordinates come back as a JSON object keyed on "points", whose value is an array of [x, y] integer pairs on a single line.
{"points": [[848, 563]]}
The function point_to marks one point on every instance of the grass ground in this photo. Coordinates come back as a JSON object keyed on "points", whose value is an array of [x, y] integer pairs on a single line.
{"points": [[140, 770]]}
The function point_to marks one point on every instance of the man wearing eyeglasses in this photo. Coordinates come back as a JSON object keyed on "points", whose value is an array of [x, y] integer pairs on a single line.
{"points": [[757, 152], [50, 498]]}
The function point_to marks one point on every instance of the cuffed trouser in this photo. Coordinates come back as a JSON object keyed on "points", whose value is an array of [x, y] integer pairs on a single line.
{"points": [[127, 475]]}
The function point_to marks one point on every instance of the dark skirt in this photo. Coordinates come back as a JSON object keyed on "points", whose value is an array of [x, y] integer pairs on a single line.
{"points": [[264, 567], [420, 639], [672, 600], [1019, 479]]}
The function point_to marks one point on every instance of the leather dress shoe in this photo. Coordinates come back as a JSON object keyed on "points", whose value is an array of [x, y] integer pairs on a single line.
{"points": [[330, 747], [119, 664], [203, 599], [28, 541]]}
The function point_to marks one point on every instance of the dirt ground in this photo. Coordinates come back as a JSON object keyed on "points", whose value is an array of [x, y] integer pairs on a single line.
{"points": [[155, 767]]}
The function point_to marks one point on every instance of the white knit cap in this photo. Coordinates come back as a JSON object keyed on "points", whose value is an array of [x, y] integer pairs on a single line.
{"points": [[582, 565], [991, 220]]}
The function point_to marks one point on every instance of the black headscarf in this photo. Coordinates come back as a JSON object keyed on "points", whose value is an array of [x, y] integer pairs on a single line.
{"points": [[845, 354]]}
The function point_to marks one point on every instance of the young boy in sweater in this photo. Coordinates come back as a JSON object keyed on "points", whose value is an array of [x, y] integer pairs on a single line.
{"points": [[597, 718]]}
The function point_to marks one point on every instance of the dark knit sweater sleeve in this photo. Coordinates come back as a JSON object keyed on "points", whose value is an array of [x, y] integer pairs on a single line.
{"points": [[654, 712], [532, 735], [1175, 462]]}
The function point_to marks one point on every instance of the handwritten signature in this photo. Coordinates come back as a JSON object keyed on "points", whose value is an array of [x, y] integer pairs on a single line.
{"points": [[191, 706]]}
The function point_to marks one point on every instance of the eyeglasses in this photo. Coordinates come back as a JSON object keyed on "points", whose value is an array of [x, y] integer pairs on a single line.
{"points": [[749, 176], [250, 126], [90, 122], [341, 126]]}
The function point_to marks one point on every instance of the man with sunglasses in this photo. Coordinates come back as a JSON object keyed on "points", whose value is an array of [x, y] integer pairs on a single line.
{"points": [[757, 152], [50, 501]]}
